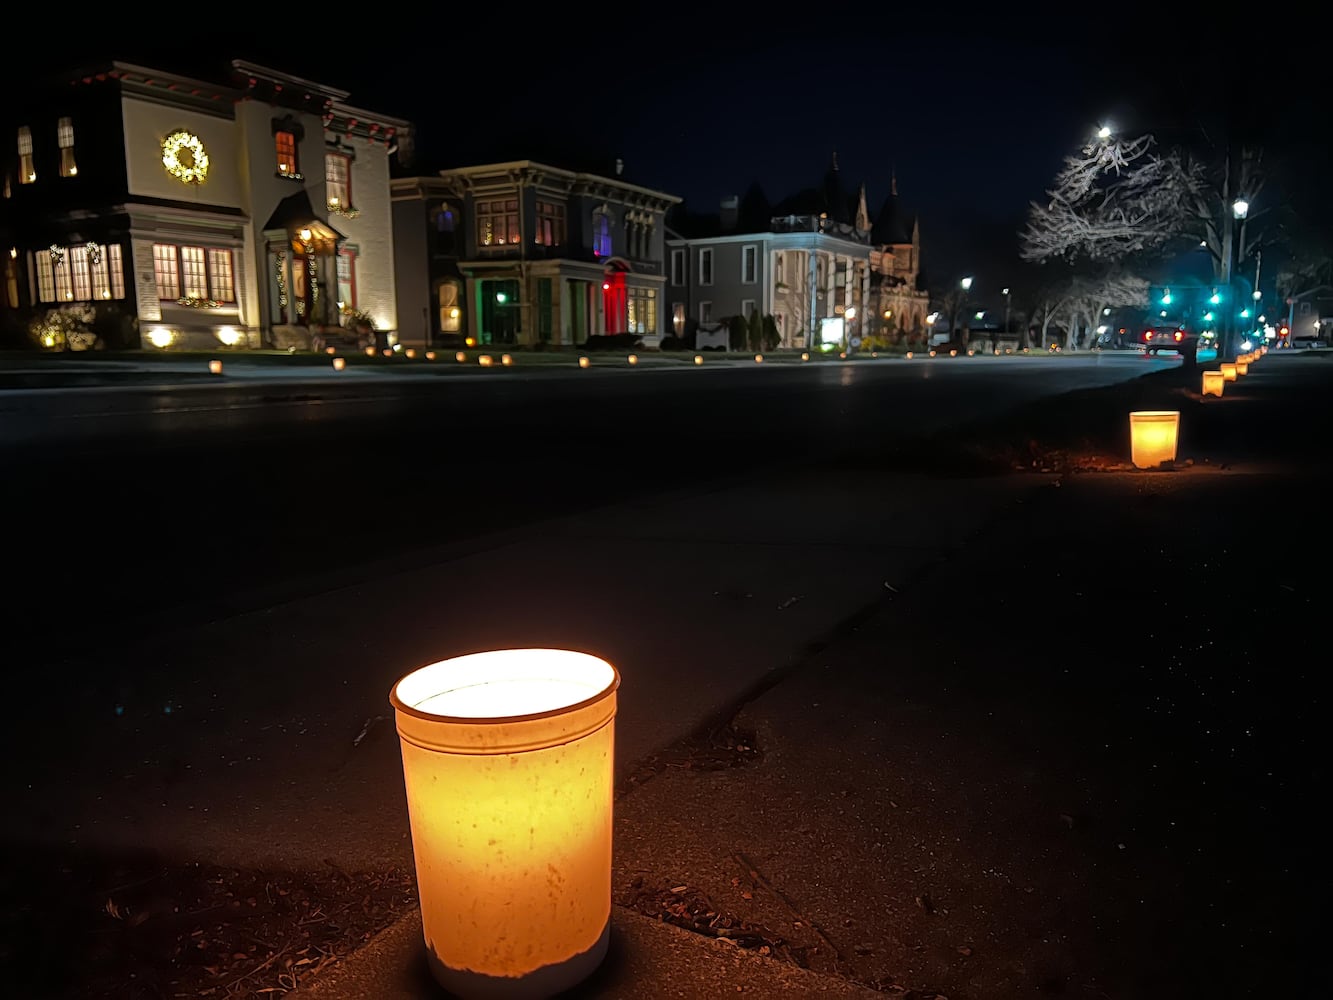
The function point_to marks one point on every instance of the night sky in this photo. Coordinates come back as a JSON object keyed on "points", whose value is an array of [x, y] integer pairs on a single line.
{"points": [[973, 111]]}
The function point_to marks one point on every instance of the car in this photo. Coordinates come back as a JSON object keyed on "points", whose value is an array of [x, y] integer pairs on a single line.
{"points": [[1169, 337]]}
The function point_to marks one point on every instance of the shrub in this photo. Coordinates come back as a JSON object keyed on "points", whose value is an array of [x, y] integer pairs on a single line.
{"points": [[65, 328]]}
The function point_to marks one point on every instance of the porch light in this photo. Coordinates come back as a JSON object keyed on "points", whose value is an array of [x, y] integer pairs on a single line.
{"points": [[305, 235], [339, 364], [507, 762], [1212, 383], [1152, 437], [1228, 371]]}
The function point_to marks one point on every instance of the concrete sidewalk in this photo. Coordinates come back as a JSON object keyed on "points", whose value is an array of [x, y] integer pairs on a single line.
{"points": [[1047, 767]]}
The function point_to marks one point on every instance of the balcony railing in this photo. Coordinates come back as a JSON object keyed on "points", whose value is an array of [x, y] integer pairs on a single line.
{"points": [[817, 224]]}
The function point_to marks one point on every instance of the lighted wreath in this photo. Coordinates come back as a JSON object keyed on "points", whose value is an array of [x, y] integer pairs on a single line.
{"points": [[185, 158]]}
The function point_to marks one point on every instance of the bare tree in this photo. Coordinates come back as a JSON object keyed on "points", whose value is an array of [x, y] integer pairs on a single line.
{"points": [[1089, 296], [1114, 198]]}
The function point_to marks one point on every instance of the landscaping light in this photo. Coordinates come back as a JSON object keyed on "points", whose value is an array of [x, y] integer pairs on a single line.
{"points": [[953, 354], [330, 350], [1229, 371], [584, 362], [411, 352], [388, 352], [633, 359], [1152, 437], [229, 336], [1242, 367], [506, 360], [460, 357], [370, 352], [215, 367], [339, 364], [160, 336], [758, 359], [908, 355], [1212, 383], [698, 359], [805, 356], [430, 355], [485, 360], [932, 354], [507, 762]]}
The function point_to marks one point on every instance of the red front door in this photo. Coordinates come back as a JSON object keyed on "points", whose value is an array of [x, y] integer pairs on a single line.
{"points": [[614, 306]]}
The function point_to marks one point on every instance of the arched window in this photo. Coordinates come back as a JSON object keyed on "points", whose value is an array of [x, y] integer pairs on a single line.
{"points": [[446, 229], [601, 233]]}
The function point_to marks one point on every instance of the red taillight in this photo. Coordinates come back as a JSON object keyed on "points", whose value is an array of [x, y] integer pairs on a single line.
{"points": [[1147, 335], [1180, 335]]}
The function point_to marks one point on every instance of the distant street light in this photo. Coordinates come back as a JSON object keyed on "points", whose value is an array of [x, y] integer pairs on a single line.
{"points": [[967, 284], [1240, 208], [1104, 132]]}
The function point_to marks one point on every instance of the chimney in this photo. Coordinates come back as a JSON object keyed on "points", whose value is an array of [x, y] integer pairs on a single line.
{"points": [[731, 212]]}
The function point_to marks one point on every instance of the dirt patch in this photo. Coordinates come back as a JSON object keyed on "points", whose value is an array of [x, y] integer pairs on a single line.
{"points": [[717, 749], [143, 929]]}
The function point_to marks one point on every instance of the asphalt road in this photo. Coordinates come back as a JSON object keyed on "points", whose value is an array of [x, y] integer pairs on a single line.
{"points": [[126, 506]]}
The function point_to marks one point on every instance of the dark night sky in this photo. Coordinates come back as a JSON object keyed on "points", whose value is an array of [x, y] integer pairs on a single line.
{"points": [[974, 110]]}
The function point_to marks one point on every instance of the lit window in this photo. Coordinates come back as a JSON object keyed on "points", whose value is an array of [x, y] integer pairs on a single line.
{"points": [[85, 273], [285, 143], [497, 222], [27, 174], [550, 223], [601, 233], [194, 273], [76, 258], [65, 140], [46, 279], [678, 317], [64, 286], [221, 283], [347, 278], [116, 269], [338, 180], [747, 307], [166, 271], [643, 311], [11, 283], [450, 315], [706, 266]]}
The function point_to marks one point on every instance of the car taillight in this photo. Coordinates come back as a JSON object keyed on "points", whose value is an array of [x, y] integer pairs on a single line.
{"points": [[1147, 335], [1180, 335]]}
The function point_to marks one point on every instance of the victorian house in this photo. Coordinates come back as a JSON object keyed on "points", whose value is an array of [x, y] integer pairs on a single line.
{"points": [[528, 254], [163, 211], [807, 264]]}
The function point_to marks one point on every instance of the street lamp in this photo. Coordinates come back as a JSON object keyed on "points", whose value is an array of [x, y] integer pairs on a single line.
{"points": [[1006, 311], [1104, 132], [1240, 208], [967, 284]]}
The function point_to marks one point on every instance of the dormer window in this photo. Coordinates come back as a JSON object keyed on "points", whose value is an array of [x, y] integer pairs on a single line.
{"points": [[285, 145], [65, 140], [27, 173]]}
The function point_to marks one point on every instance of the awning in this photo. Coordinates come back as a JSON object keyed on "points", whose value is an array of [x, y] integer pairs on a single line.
{"points": [[296, 216]]}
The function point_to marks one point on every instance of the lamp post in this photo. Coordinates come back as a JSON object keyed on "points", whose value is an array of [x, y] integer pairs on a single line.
{"points": [[1006, 309], [1240, 209], [966, 285]]}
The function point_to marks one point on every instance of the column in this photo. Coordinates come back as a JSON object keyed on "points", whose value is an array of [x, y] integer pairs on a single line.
{"points": [[812, 290]]}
